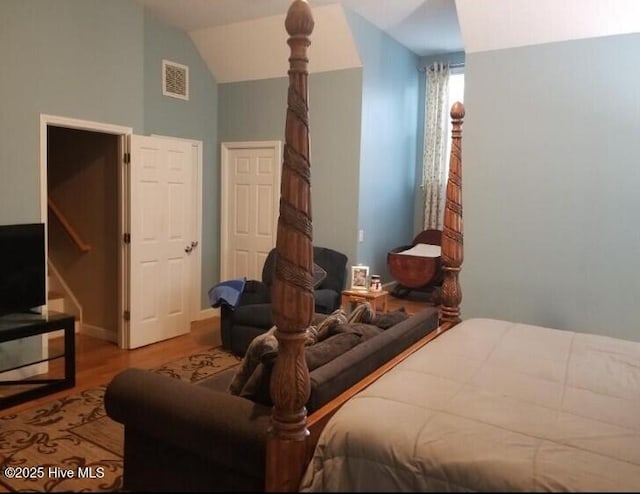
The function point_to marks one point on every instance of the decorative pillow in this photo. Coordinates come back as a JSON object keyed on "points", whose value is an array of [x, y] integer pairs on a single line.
{"points": [[311, 335], [362, 313], [261, 346], [318, 318], [321, 330], [319, 274], [387, 319]]}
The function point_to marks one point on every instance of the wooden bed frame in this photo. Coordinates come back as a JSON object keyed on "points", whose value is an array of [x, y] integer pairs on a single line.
{"points": [[293, 435]]}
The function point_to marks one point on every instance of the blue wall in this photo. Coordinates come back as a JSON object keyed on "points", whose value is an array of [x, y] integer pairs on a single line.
{"points": [[256, 111], [550, 184], [73, 58], [387, 175], [99, 61]]}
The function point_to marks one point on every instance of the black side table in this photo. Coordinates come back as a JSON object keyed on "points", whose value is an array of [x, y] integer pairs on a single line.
{"points": [[15, 327]]}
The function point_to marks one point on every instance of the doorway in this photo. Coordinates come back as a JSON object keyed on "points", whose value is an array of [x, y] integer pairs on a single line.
{"points": [[91, 176], [83, 228]]}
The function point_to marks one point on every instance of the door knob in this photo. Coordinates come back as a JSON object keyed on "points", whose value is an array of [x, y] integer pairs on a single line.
{"points": [[188, 249], [194, 243]]}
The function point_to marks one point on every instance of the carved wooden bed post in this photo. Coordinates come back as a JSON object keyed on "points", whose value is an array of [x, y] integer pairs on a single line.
{"points": [[292, 290], [452, 234]]}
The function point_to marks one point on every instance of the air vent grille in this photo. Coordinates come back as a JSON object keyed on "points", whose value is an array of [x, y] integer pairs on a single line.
{"points": [[175, 80]]}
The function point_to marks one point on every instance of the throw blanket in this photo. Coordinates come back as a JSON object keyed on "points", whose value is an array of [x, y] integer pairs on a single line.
{"points": [[227, 292], [249, 379]]}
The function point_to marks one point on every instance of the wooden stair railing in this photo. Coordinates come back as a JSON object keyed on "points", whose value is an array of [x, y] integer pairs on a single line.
{"points": [[73, 234]]}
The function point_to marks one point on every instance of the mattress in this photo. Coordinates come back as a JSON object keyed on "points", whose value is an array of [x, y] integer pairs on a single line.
{"points": [[492, 406], [422, 250]]}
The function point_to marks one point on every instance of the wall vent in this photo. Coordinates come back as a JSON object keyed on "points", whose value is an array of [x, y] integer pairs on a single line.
{"points": [[175, 80]]}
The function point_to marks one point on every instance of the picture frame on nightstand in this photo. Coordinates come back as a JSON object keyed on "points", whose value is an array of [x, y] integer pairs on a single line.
{"points": [[359, 277]]}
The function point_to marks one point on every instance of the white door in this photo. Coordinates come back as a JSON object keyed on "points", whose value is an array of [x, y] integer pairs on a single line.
{"points": [[250, 206], [160, 216]]}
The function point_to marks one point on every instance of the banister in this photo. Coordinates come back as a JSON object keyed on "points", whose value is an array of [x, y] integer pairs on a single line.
{"points": [[83, 246]]}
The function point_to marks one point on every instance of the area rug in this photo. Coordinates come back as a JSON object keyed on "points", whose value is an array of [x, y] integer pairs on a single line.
{"points": [[42, 447]]}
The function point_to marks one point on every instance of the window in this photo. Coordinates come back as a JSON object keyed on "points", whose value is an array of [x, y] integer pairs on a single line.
{"points": [[444, 86], [456, 93]]}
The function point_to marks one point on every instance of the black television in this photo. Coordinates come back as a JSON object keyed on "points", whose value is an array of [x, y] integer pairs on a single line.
{"points": [[22, 268]]}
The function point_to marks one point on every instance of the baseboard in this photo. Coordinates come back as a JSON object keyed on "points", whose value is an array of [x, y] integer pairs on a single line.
{"points": [[98, 332], [105, 334], [207, 313], [60, 332], [26, 372]]}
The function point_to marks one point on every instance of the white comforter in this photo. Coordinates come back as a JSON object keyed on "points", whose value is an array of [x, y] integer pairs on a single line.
{"points": [[492, 406]]}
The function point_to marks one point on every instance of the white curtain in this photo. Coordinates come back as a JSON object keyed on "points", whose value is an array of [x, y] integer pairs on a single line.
{"points": [[434, 157]]}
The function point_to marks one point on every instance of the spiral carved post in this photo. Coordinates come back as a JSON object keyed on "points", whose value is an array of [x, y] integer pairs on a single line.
{"points": [[292, 290], [452, 234]]}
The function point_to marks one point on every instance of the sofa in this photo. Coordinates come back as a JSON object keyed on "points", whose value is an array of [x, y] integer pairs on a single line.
{"points": [[181, 436], [251, 316]]}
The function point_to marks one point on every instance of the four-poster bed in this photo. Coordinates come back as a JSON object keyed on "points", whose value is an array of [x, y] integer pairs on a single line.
{"points": [[476, 405]]}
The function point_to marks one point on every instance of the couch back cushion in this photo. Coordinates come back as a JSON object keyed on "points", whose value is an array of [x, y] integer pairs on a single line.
{"points": [[385, 320], [338, 375], [344, 338]]}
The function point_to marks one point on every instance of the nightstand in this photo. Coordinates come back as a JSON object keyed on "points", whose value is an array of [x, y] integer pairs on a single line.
{"points": [[376, 299]]}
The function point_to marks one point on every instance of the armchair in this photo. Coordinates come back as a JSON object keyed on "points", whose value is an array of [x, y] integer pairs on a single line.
{"points": [[252, 315]]}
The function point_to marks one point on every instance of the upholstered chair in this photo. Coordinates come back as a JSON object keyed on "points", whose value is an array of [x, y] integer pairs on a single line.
{"points": [[251, 316]]}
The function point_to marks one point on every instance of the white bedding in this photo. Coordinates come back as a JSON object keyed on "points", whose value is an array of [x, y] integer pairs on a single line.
{"points": [[492, 406], [422, 250]]}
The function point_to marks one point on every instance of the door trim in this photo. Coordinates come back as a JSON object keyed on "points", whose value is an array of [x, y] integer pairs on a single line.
{"points": [[225, 150], [74, 123]]}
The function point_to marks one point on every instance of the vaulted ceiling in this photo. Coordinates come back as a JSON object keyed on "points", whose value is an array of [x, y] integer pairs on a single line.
{"points": [[424, 26], [239, 38]]}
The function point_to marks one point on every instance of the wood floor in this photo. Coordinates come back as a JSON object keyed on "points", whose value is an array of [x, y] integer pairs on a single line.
{"points": [[97, 361]]}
